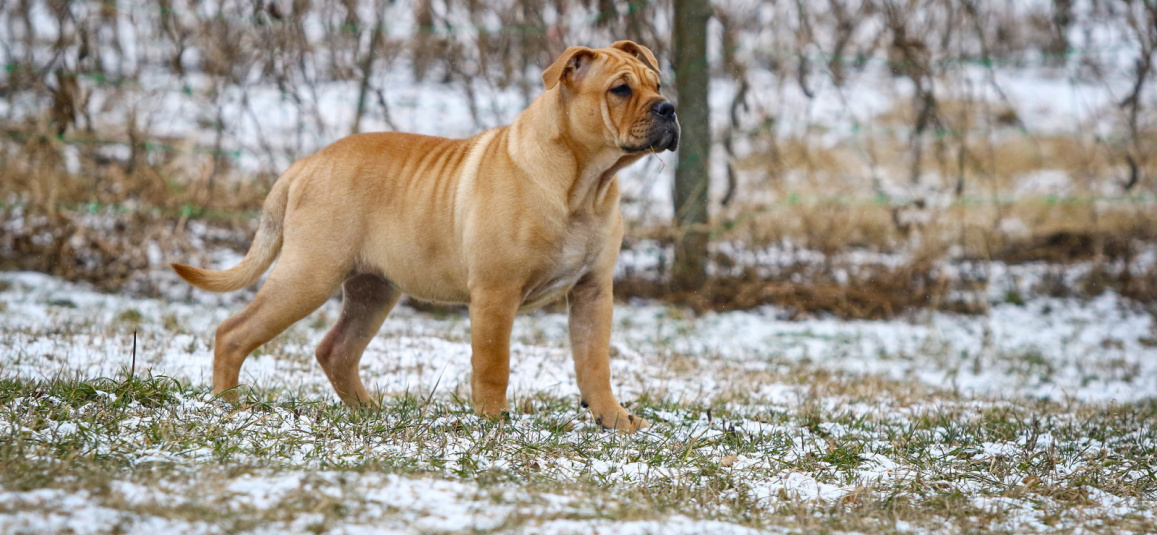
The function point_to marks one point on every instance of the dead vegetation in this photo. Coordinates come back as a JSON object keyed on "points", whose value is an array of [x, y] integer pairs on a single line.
{"points": [[869, 291]]}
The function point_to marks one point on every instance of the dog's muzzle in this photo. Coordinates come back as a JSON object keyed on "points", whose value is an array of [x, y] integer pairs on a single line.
{"points": [[665, 133]]}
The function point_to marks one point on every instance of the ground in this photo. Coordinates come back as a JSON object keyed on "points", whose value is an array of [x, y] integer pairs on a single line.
{"points": [[1027, 202], [1036, 417]]}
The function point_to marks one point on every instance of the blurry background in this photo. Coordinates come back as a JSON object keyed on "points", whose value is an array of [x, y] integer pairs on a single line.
{"points": [[869, 158]]}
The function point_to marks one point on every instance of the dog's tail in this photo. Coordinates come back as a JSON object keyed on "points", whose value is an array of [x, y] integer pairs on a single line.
{"points": [[266, 245]]}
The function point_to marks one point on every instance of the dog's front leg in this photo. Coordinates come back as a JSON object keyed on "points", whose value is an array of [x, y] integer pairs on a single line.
{"points": [[591, 310], [492, 311]]}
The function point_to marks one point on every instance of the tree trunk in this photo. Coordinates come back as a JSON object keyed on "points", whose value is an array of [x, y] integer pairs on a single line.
{"points": [[691, 170]]}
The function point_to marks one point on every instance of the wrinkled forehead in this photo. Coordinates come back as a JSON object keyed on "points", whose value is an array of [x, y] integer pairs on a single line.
{"points": [[622, 63]]}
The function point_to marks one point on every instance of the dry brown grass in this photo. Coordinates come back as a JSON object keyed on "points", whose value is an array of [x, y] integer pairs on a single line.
{"points": [[152, 176], [807, 200], [866, 291], [100, 230], [107, 227]]}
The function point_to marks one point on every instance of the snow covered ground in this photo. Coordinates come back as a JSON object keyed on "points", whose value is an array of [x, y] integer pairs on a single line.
{"points": [[1097, 350], [807, 414]]}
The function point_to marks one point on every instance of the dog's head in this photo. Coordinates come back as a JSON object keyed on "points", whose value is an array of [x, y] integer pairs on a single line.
{"points": [[612, 97]]}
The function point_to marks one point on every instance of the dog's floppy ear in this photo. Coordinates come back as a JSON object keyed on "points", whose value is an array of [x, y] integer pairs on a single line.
{"points": [[639, 51], [572, 62]]}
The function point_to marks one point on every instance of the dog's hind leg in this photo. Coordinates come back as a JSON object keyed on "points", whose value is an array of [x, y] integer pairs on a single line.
{"points": [[366, 301], [295, 287]]}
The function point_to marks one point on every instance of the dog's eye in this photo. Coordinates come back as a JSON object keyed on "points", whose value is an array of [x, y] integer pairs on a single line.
{"points": [[621, 90]]}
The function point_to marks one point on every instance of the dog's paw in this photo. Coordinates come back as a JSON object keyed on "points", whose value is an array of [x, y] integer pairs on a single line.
{"points": [[620, 419]]}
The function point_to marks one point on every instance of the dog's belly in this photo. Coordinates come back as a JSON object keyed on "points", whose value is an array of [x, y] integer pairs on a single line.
{"points": [[433, 291], [432, 282], [423, 270], [415, 270]]}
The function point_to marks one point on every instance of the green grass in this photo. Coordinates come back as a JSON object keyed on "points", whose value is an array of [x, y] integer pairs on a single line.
{"points": [[938, 462]]}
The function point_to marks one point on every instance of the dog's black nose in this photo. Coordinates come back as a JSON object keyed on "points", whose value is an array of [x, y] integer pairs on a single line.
{"points": [[663, 109]]}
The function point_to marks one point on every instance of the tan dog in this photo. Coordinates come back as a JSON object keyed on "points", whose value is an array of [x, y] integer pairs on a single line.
{"points": [[510, 219]]}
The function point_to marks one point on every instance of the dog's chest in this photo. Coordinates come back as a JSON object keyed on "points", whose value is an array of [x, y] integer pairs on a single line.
{"points": [[574, 257]]}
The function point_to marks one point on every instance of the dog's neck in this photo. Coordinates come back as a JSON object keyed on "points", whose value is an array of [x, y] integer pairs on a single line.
{"points": [[538, 139]]}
